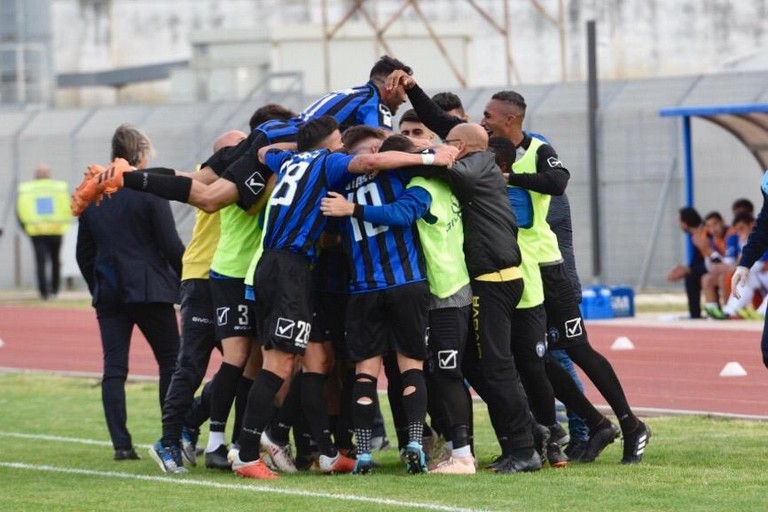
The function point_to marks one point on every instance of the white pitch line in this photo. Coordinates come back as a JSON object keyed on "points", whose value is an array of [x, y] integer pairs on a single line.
{"points": [[239, 487], [62, 439]]}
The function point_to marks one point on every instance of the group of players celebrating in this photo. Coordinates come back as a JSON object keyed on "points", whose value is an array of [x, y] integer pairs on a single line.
{"points": [[344, 247]]}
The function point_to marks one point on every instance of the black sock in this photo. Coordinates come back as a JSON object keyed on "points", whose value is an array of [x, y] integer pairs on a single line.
{"points": [[343, 428], [363, 410], [223, 394], [258, 413], [315, 410], [174, 188], [241, 399], [601, 373], [285, 417], [200, 410], [415, 403]]}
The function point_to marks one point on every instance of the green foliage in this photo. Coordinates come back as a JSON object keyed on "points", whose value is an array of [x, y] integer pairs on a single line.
{"points": [[692, 463]]}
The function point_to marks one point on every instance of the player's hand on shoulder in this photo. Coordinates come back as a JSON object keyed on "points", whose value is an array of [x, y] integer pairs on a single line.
{"points": [[446, 155]]}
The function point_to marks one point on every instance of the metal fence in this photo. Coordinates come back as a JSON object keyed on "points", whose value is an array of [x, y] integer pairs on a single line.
{"points": [[641, 184]]}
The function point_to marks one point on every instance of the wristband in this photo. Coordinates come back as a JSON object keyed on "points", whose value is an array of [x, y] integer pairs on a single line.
{"points": [[427, 158]]}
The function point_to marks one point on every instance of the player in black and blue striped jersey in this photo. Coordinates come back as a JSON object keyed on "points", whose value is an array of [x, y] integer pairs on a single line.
{"points": [[245, 178], [283, 283], [388, 305]]}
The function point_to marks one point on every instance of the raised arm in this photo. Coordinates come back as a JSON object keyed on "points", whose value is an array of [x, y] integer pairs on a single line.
{"points": [[429, 112]]}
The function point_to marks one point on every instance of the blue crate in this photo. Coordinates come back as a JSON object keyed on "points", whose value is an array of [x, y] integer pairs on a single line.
{"points": [[623, 301], [596, 303]]}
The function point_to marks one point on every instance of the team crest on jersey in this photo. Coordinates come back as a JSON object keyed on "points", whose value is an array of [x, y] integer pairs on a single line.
{"points": [[553, 336], [221, 315], [541, 349], [573, 328], [386, 116], [255, 183]]}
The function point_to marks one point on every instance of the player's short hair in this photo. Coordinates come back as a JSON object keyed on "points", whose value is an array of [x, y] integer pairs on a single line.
{"points": [[313, 132], [744, 205], [130, 143], [386, 65], [269, 112], [743, 218], [410, 116], [354, 135], [690, 217], [511, 97], [448, 101], [713, 215], [398, 142], [504, 151]]}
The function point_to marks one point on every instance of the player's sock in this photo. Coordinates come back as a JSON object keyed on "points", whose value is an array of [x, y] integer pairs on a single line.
{"points": [[241, 399], [314, 404], [364, 397], [414, 403], [258, 413], [222, 395], [174, 188]]}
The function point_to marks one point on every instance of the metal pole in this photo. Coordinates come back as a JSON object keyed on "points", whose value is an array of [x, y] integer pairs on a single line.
{"points": [[688, 154], [594, 185]]}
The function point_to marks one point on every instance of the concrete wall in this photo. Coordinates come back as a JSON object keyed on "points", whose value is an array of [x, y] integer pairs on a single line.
{"points": [[637, 38]]}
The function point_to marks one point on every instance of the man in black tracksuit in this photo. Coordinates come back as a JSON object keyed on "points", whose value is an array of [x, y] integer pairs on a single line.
{"points": [[493, 259]]}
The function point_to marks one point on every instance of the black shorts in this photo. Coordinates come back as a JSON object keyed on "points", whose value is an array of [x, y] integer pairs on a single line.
{"points": [[284, 300], [234, 316], [565, 325], [328, 321], [448, 330], [391, 319], [248, 174]]}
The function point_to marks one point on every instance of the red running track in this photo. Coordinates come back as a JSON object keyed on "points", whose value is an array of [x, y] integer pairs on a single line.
{"points": [[675, 365]]}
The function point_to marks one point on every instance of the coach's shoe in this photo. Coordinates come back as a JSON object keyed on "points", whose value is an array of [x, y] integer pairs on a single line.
{"points": [[364, 464], [497, 462], [514, 464], [598, 440], [415, 458], [217, 459], [168, 458], [338, 464], [255, 469], [189, 444], [126, 454], [635, 443], [456, 466], [281, 456], [86, 192]]}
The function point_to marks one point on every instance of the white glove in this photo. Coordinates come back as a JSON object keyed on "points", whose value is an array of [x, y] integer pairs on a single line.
{"points": [[738, 280]]}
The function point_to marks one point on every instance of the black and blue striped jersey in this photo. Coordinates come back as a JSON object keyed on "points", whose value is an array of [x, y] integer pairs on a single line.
{"points": [[293, 219], [351, 107], [380, 256], [278, 130]]}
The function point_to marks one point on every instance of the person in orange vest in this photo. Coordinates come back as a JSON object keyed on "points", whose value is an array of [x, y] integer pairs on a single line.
{"points": [[42, 207]]}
